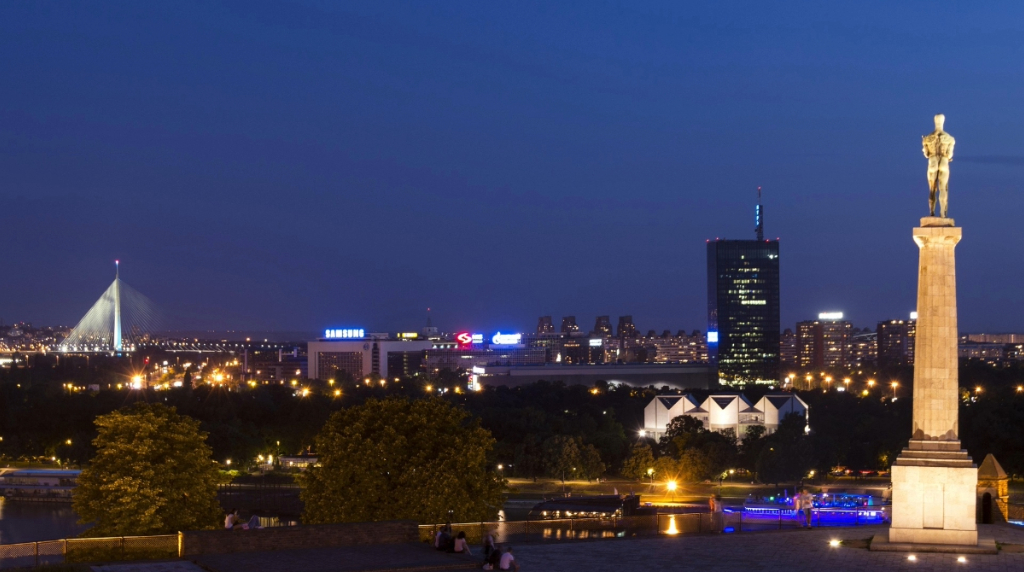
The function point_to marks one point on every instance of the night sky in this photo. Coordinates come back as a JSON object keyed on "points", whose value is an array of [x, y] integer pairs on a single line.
{"points": [[303, 165]]}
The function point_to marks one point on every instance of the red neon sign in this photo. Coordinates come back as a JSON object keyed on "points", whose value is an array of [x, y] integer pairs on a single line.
{"points": [[464, 338]]}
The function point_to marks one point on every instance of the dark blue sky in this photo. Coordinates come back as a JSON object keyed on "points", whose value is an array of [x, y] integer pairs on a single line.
{"points": [[299, 165]]}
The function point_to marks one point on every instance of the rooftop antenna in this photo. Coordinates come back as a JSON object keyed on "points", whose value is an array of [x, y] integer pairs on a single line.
{"points": [[759, 217]]}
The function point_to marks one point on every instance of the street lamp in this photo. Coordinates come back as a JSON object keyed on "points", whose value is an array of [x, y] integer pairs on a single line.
{"points": [[895, 384], [871, 383], [671, 486], [650, 473]]}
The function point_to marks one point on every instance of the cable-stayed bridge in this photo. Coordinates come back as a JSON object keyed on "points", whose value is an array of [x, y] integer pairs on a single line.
{"points": [[120, 320]]}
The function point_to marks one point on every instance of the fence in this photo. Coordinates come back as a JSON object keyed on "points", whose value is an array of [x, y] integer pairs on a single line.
{"points": [[88, 550], [670, 524]]}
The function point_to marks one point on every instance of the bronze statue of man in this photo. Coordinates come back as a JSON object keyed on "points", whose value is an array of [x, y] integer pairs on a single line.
{"points": [[938, 148]]}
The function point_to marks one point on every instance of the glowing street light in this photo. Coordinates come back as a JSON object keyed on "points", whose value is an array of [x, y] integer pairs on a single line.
{"points": [[871, 383], [895, 384]]}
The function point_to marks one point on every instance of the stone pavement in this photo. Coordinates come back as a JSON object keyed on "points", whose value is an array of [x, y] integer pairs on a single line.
{"points": [[342, 559], [781, 551], [786, 551], [174, 566]]}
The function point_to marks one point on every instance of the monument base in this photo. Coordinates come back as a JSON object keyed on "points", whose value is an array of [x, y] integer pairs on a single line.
{"points": [[880, 543], [934, 496]]}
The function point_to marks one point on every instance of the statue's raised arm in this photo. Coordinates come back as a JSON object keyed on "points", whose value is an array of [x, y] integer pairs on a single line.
{"points": [[938, 148]]}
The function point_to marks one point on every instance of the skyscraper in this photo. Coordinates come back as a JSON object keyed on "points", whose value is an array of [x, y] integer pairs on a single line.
{"points": [[743, 308], [627, 330], [896, 342], [603, 327], [825, 342], [569, 325], [544, 325]]}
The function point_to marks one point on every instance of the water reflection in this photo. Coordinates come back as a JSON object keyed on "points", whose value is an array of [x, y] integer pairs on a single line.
{"points": [[31, 521]]}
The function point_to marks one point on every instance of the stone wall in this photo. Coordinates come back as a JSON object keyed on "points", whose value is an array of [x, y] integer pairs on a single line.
{"points": [[197, 542]]}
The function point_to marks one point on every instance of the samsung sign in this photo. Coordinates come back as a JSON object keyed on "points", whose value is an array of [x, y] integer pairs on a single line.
{"points": [[345, 334]]}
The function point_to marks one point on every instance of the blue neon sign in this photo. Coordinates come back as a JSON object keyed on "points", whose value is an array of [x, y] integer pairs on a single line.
{"points": [[345, 334]]}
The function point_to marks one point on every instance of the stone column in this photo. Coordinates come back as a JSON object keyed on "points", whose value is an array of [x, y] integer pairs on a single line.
{"points": [[935, 353], [934, 482]]}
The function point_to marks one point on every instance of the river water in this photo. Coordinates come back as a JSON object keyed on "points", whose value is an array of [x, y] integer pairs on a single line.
{"points": [[22, 521]]}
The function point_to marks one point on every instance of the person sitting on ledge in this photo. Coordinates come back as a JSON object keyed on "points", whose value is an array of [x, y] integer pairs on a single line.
{"points": [[508, 562], [461, 546], [231, 519]]}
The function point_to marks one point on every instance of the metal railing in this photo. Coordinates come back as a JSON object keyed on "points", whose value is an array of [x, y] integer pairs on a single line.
{"points": [[88, 550], [665, 523]]}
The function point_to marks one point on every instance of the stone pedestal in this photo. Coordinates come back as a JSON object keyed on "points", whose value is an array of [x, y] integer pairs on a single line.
{"points": [[934, 481]]}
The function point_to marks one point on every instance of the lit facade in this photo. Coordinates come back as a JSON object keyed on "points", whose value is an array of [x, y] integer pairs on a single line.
{"points": [[722, 412], [743, 310], [823, 343], [896, 342], [371, 354]]}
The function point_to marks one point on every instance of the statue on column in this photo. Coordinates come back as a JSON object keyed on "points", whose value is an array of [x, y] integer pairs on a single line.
{"points": [[938, 148]]}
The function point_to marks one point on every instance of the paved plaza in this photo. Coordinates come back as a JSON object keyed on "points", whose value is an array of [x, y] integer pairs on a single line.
{"points": [[783, 551]]}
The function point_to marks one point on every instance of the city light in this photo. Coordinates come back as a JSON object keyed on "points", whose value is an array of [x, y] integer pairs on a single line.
{"points": [[830, 316], [871, 383], [345, 333], [912, 558], [833, 543], [506, 339], [671, 486]]}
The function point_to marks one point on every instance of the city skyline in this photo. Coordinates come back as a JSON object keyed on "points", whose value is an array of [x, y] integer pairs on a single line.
{"points": [[322, 166]]}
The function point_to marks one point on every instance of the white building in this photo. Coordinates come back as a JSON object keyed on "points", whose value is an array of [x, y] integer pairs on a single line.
{"points": [[722, 411]]}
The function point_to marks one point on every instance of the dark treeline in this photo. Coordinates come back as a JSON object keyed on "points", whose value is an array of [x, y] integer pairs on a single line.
{"points": [[543, 429]]}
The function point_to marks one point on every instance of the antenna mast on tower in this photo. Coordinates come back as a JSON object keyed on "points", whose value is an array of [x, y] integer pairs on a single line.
{"points": [[759, 217]]}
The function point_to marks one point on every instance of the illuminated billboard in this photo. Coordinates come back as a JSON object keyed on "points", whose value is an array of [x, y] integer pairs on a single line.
{"points": [[501, 339], [466, 338], [345, 334], [830, 316]]}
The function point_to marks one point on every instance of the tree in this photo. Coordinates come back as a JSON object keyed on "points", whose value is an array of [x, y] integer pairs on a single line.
{"points": [[786, 454], [641, 458], [152, 474], [562, 456], [591, 466], [423, 460]]}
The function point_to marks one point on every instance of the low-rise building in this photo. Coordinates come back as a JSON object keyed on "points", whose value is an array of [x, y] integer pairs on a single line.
{"points": [[722, 412]]}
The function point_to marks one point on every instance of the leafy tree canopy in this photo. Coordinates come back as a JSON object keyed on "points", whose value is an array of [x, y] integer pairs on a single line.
{"points": [[152, 474], [399, 459], [641, 458]]}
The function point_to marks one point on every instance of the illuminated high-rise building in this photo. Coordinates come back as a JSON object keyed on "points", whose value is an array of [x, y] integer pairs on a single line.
{"points": [[627, 329], [825, 342], [544, 325], [603, 327], [896, 342], [743, 308], [569, 325]]}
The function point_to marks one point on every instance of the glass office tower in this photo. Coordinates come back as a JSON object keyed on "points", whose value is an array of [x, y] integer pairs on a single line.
{"points": [[743, 310]]}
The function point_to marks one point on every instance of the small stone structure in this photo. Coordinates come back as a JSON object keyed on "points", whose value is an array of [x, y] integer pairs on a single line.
{"points": [[196, 542], [993, 492]]}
